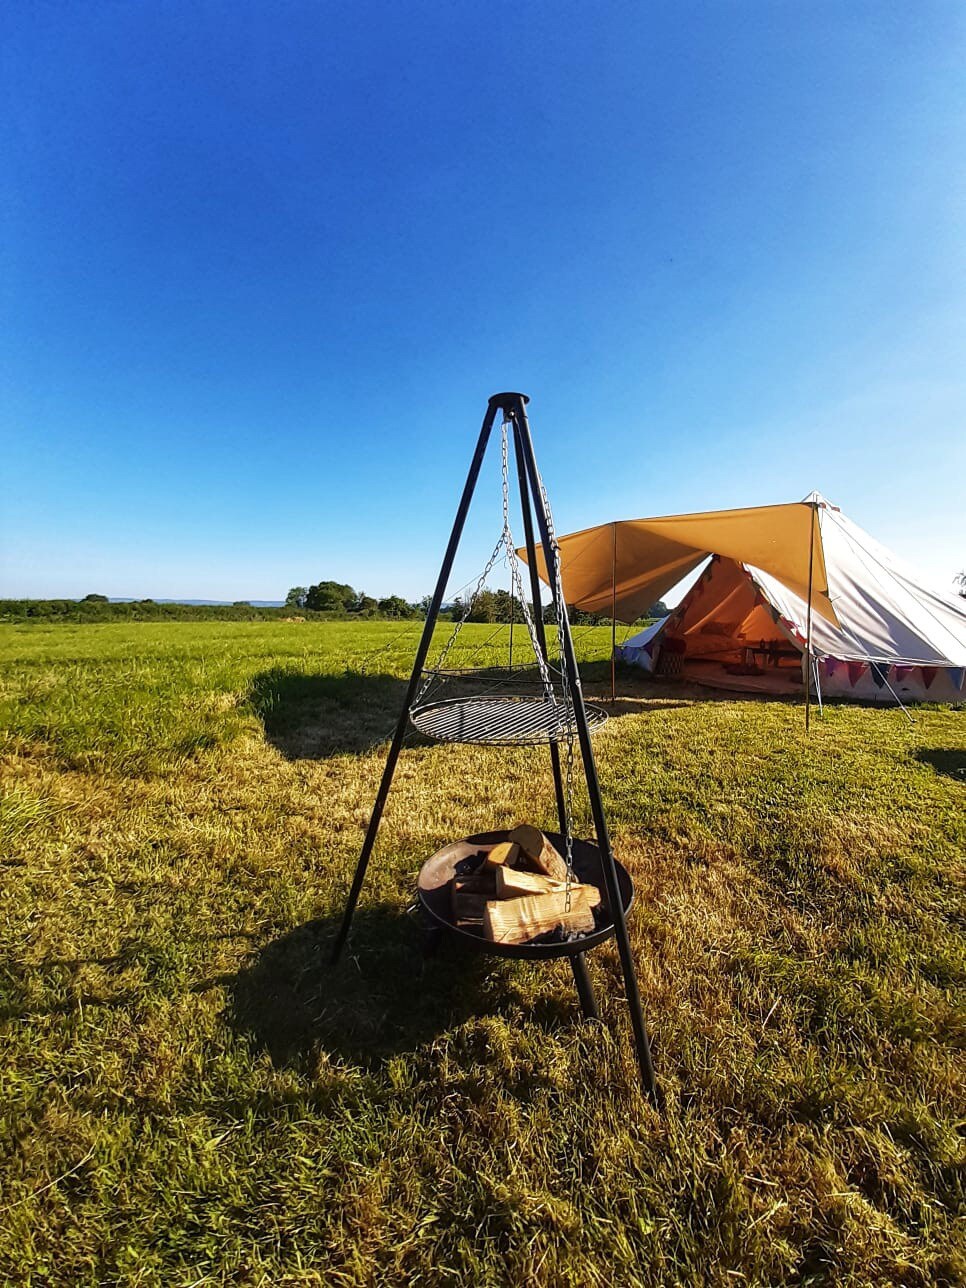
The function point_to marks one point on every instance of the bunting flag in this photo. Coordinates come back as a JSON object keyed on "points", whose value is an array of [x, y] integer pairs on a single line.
{"points": [[830, 665], [902, 672], [879, 672], [856, 672], [929, 674], [957, 676]]}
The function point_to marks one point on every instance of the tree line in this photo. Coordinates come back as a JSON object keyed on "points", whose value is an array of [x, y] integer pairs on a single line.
{"points": [[325, 601], [337, 599], [97, 608]]}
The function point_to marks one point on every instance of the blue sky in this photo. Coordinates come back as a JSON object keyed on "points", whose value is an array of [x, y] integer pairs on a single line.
{"points": [[262, 265]]}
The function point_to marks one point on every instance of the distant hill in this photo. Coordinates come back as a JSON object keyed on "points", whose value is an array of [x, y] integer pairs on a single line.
{"points": [[202, 603]]}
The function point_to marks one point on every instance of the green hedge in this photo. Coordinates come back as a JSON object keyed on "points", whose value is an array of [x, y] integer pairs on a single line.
{"points": [[146, 610]]}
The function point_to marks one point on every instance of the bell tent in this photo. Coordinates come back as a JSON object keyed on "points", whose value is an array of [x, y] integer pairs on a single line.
{"points": [[874, 632]]}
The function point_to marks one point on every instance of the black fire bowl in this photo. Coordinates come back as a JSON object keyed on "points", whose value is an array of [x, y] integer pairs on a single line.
{"points": [[460, 858]]}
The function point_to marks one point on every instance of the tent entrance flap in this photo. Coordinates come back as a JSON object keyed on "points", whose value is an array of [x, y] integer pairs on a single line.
{"points": [[725, 620]]}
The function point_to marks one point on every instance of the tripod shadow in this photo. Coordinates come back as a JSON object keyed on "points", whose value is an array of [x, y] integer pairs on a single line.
{"points": [[312, 717], [383, 997], [950, 761]]}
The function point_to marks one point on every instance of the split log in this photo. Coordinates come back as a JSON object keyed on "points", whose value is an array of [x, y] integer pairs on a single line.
{"points": [[516, 921], [544, 857], [483, 881], [469, 909], [514, 884], [469, 895], [505, 854]]}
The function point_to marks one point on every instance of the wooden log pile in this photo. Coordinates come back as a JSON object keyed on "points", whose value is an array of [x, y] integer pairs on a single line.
{"points": [[519, 892]]}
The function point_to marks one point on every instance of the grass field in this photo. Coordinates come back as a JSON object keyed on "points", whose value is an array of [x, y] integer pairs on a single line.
{"points": [[189, 1095]]}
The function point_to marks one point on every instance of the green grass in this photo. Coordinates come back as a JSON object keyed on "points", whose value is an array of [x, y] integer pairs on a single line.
{"points": [[189, 1095]]}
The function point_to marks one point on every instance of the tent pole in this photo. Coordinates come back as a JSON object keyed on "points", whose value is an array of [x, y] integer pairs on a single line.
{"points": [[613, 623], [905, 711], [808, 619]]}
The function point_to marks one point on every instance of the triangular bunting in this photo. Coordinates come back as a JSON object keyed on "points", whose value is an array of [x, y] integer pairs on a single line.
{"points": [[929, 674], [902, 671], [957, 676], [856, 672], [831, 665], [879, 672]]}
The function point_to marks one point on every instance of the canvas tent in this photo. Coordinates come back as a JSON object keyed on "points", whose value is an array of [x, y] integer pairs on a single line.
{"points": [[877, 632], [620, 569]]}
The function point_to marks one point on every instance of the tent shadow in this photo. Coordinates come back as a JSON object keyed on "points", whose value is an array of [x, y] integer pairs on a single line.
{"points": [[312, 717], [633, 683], [950, 761], [639, 692], [634, 707], [383, 997]]}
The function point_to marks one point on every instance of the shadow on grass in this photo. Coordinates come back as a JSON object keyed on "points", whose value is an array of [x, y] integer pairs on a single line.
{"points": [[633, 682], [312, 717], [950, 761], [383, 997], [316, 716]]}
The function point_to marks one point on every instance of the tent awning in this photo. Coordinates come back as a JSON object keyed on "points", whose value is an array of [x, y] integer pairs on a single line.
{"points": [[625, 566]]}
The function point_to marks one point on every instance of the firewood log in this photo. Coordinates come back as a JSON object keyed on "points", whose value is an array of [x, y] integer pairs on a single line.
{"points": [[515, 883], [469, 909], [505, 854], [539, 851], [483, 881], [516, 921]]}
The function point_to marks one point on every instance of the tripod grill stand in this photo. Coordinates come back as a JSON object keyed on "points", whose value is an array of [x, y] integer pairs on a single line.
{"points": [[574, 722]]}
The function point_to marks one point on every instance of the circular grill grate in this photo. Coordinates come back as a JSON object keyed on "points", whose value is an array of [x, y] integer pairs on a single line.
{"points": [[501, 719]]}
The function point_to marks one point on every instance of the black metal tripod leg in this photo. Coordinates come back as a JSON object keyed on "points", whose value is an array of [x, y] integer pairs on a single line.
{"points": [[527, 512], [374, 821], [569, 663], [585, 989], [431, 619]]}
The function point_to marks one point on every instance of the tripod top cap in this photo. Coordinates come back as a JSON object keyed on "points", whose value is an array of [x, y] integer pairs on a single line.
{"points": [[508, 400]]}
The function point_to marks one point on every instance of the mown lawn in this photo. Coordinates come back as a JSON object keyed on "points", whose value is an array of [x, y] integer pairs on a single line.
{"points": [[189, 1095]]}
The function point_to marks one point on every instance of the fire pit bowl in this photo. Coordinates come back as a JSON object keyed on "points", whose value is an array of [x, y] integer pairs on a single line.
{"points": [[459, 858]]}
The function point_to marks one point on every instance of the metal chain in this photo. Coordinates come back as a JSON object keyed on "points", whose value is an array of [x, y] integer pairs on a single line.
{"points": [[490, 564], [569, 813], [565, 709], [505, 546], [568, 699], [516, 581]]}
